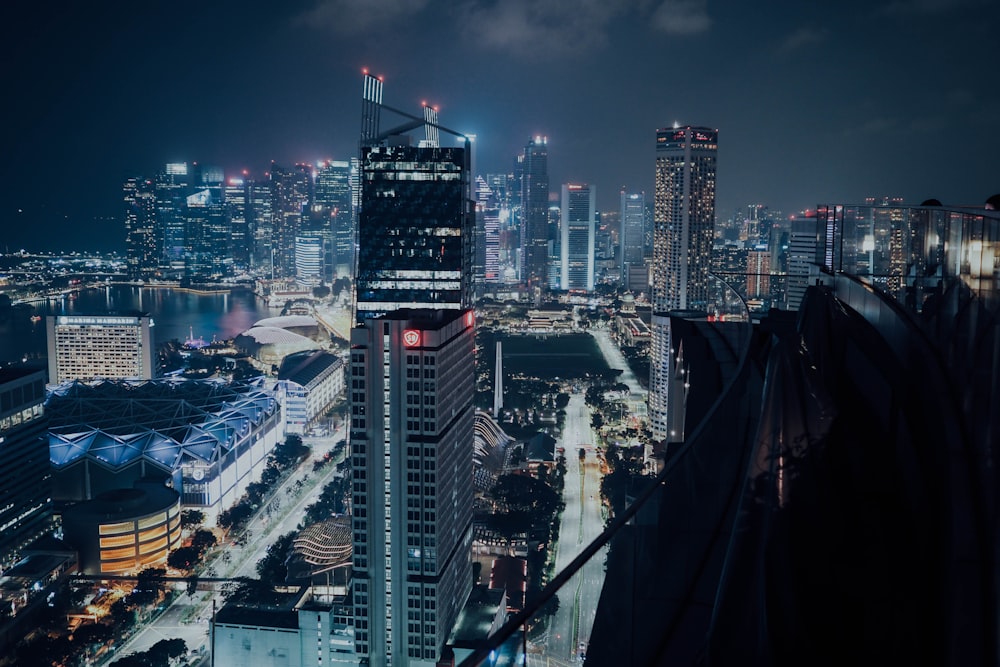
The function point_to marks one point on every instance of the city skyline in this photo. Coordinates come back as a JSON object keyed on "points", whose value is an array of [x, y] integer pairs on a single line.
{"points": [[816, 103]]}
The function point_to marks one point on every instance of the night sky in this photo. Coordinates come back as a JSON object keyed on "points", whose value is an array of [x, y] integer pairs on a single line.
{"points": [[814, 104]]}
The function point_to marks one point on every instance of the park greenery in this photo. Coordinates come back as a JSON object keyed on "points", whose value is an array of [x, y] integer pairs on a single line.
{"points": [[285, 457], [52, 643], [625, 467]]}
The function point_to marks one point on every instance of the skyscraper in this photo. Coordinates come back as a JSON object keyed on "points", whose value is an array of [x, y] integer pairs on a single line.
{"points": [[534, 172], [332, 209], [684, 221], [578, 229], [93, 347], [411, 406], [291, 191], [416, 222], [241, 243], [631, 239], [260, 224], [25, 474], [171, 190], [207, 234], [141, 247]]}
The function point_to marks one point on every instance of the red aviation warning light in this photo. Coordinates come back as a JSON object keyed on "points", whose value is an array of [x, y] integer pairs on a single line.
{"points": [[411, 337]]}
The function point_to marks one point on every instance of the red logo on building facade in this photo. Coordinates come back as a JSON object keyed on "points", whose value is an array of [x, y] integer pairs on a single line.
{"points": [[411, 337]]}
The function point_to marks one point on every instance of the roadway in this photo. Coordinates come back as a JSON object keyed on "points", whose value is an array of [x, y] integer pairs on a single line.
{"points": [[187, 617], [580, 525], [616, 359]]}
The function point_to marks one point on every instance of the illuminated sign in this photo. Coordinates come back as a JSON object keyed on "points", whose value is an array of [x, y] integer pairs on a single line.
{"points": [[468, 319], [411, 337]]}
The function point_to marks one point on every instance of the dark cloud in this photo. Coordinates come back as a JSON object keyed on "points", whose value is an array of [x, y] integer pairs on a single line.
{"points": [[804, 37], [682, 17], [353, 16]]}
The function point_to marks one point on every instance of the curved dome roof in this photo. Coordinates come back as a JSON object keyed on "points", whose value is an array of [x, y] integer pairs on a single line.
{"points": [[286, 321], [274, 336]]}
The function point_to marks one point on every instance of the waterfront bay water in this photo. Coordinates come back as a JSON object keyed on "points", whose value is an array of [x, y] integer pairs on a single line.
{"points": [[177, 314]]}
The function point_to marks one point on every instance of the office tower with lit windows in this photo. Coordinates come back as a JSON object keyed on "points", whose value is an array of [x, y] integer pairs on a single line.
{"points": [[260, 225], [234, 196], [801, 259], [534, 172], [411, 387], [415, 224], [25, 473], [759, 273], [631, 239], [332, 209], [488, 212], [171, 187], [207, 234], [142, 255], [95, 347], [578, 229], [291, 191], [310, 255], [684, 222]]}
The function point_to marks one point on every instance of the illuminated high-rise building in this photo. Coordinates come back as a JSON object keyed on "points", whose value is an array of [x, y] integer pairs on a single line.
{"points": [[631, 239], [684, 221], [141, 247], [488, 212], [207, 234], [260, 225], [759, 272], [291, 193], [415, 224], [25, 472], [310, 255], [578, 227], [241, 243], [97, 347], [534, 172], [171, 191], [411, 391], [332, 209]]}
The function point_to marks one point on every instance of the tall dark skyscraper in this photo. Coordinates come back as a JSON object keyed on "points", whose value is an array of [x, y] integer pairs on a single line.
{"points": [[631, 239], [25, 473], [235, 198], [332, 207], [415, 224], [411, 391], [260, 225], [141, 247], [207, 234], [684, 222], [171, 190], [534, 171], [578, 225], [488, 211], [291, 191]]}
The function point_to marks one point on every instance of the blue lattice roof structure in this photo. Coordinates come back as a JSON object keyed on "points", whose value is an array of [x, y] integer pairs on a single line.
{"points": [[165, 421]]}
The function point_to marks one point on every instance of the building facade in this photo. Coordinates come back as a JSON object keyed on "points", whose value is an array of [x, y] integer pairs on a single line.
{"points": [[684, 223], [92, 347], [332, 210], [534, 171], [415, 245], [411, 387], [578, 231], [141, 245], [631, 239], [25, 477]]}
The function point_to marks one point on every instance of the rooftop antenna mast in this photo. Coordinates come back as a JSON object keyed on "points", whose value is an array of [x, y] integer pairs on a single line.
{"points": [[371, 108]]}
